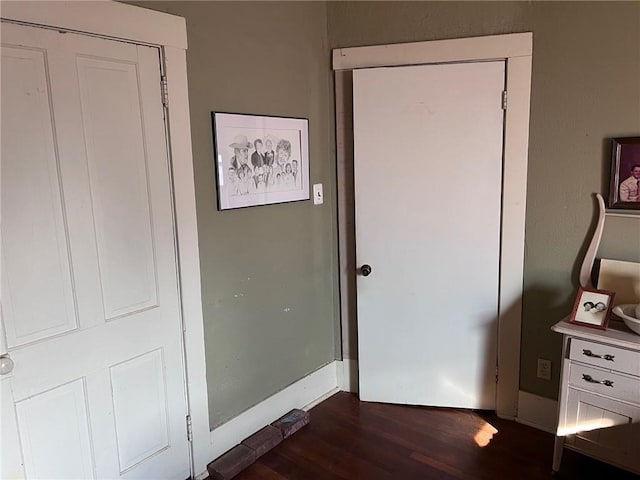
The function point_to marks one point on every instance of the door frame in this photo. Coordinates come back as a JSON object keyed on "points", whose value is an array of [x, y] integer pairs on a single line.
{"points": [[516, 50], [118, 21]]}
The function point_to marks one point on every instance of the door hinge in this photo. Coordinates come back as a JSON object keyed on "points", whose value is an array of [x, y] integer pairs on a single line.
{"points": [[164, 90], [189, 429], [496, 374], [504, 100]]}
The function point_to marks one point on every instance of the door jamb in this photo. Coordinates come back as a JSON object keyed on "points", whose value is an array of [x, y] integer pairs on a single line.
{"points": [[138, 25], [516, 50]]}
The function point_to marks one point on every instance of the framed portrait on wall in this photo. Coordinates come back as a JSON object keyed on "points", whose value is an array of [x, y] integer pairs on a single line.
{"points": [[624, 189], [260, 160]]}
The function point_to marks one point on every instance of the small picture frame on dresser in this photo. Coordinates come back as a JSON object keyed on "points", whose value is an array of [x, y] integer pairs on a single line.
{"points": [[592, 308]]}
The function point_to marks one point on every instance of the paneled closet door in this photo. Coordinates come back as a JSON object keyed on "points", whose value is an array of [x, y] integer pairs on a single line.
{"points": [[90, 299]]}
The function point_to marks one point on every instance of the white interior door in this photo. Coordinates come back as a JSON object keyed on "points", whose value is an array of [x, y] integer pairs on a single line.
{"points": [[90, 300], [428, 166]]}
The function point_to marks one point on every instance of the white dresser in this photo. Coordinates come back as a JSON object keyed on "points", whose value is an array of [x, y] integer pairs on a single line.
{"points": [[599, 405]]}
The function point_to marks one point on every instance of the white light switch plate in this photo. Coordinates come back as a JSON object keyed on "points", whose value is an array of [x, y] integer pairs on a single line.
{"points": [[318, 196]]}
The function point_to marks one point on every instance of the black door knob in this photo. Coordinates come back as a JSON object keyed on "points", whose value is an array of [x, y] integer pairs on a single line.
{"points": [[365, 270]]}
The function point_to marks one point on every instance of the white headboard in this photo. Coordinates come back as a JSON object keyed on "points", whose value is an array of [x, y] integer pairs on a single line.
{"points": [[622, 278]]}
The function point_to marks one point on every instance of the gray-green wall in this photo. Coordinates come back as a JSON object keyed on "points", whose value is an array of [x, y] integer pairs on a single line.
{"points": [[585, 89], [269, 282], [269, 274]]}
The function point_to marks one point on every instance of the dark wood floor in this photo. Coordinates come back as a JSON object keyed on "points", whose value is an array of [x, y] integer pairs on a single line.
{"points": [[349, 439]]}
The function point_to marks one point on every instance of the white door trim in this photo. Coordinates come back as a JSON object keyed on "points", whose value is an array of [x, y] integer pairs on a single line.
{"points": [[516, 49], [104, 18], [492, 47], [126, 22]]}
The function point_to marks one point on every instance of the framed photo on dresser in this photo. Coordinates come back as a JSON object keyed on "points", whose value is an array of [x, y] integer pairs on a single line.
{"points": [[592, 308]]}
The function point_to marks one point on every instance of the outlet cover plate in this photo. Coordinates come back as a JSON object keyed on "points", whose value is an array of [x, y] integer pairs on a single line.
{"points": [[544, 369]]}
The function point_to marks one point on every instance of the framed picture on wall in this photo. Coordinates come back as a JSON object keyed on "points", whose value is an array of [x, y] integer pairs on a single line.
{"points": [[260, 160], [592, 308], [624, 190]]}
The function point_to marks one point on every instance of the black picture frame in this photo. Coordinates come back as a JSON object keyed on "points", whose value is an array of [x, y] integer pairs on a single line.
{"points": [[260, 159]]}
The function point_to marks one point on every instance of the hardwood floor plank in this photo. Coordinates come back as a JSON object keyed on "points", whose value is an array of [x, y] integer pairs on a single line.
{"points": [[434, 463], [260, 471], [288, 466], [336, 461]]}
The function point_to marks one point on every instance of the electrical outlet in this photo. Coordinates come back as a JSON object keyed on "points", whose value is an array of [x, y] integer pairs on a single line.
{"points": [[544, 369]]}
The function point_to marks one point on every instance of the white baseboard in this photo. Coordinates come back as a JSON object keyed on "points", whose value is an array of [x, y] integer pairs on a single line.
{"points": [[321, 399], [348, 375], [203, 475], [304, 394], [538, 412]]}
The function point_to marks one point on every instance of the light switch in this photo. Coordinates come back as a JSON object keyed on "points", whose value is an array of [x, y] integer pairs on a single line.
{"points": [[318, 196]]}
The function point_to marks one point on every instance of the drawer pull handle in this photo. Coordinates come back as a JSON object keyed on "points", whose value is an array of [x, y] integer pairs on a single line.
{"points": [[589, 353], [590, 379]]}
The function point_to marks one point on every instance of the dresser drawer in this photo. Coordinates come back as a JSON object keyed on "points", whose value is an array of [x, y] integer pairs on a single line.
{"points": [[605, 356], [614, 385]]}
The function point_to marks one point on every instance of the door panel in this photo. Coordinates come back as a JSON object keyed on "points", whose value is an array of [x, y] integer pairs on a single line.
{"points": [[428, 166], [139, 385], [603, 427], [67, 438], [35, 228], [101, 393], [118, 182]]}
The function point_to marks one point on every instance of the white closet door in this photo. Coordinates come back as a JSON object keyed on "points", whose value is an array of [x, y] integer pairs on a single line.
{"points": [[90, 300], [428, 167]]}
